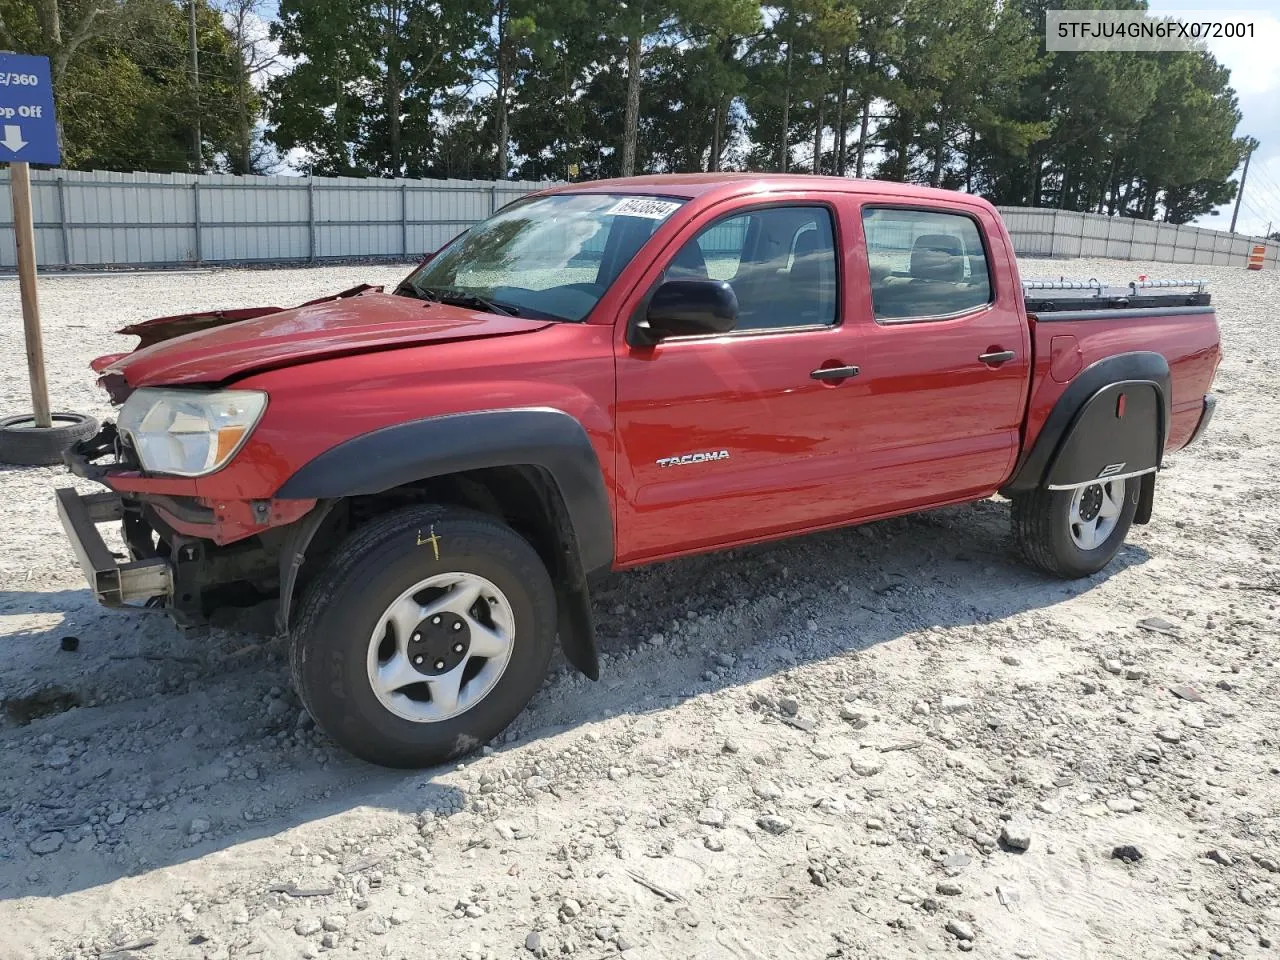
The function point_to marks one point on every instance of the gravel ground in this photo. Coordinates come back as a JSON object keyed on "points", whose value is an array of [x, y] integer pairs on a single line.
{"points": [[879, 742]]}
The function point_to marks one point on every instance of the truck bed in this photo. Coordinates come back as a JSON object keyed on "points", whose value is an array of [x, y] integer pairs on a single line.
{"points": [[1170, 317]]}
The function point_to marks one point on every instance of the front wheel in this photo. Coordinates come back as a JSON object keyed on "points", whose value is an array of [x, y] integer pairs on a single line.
{"points": [[428, 631], [1074, 533]]}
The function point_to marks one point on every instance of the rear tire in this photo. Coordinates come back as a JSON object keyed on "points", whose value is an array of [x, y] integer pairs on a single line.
{"points": [[424, 636], [22, 442], [1057, 531]]}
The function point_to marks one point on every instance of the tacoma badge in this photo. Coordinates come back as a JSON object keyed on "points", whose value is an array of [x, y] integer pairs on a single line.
{"points": [[704, 456]]}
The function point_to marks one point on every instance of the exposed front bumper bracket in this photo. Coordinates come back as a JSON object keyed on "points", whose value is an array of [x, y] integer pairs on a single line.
{"points": [[114, 583]]}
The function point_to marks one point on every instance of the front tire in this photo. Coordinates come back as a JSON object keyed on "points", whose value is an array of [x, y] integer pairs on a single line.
{"points": [[1074, 533], [424, 636]]}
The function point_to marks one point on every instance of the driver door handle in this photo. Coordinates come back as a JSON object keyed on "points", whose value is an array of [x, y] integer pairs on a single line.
{"points": [[997, 358], [834, 373]]}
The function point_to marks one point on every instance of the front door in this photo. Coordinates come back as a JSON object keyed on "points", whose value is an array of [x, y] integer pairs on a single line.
{"points": [[733, 437]]}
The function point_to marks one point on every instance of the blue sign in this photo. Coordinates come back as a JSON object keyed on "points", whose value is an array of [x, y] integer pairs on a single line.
{"points": [[28, 128]]}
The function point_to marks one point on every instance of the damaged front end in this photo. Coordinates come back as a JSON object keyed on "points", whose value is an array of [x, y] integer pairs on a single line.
{"points": [[195, 459], [172, 558], [200, 558], [162, 329]]}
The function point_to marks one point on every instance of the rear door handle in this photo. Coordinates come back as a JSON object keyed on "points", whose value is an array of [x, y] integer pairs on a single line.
{"points": [[834, 373], [999, 357]]}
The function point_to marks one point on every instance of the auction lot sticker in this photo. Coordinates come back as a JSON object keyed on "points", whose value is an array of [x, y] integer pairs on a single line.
{"points": [[650, 208]]}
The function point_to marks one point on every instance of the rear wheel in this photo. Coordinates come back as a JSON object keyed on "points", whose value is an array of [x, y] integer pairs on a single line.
{"points": [[1074, 533], [426, 634]]}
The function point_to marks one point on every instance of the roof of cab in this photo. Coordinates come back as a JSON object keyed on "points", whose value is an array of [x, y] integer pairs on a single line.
{"points": [[692, 185]]}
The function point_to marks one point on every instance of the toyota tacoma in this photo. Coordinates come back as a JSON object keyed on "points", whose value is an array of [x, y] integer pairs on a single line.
{"points": [[423, 481]]}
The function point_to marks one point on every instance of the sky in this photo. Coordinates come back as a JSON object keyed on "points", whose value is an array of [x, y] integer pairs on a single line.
{"points": [[1255, 75]]}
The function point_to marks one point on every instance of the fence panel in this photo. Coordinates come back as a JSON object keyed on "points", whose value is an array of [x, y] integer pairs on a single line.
{"points": [[1066, 234], [102, 219], [148, 219]]}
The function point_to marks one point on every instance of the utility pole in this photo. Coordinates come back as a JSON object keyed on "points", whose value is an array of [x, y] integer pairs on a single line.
{"points": [[1253, 145], [197, 148]]}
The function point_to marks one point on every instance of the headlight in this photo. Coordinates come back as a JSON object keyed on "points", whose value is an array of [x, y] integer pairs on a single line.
{"points": [[189, 432]]}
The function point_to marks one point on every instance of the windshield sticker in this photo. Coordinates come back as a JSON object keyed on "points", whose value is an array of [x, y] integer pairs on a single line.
{"points": [[649, 209]]}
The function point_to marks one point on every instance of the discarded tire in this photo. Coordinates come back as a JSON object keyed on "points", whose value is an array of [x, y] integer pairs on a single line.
{"points": [[22, 442]]}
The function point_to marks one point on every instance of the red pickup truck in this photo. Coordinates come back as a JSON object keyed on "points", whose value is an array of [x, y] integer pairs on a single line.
{"points": [[604, 375]]}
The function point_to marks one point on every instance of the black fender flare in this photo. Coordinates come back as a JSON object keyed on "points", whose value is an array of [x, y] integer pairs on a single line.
{"points": [[541, 437], [421, 449], [1082, 436]]}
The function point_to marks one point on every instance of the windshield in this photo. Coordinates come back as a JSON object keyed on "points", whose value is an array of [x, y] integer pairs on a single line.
{"points": [[549, 258]]}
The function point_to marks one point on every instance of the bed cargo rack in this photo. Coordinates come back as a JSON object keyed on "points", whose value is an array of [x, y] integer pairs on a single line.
{"points": [[1046, 296]]}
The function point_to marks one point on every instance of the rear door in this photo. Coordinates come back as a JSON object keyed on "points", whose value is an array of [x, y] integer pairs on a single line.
{"points": [[946, 355], [729, 438]]}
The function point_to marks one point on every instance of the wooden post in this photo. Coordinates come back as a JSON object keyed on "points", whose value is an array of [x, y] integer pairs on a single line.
{"points": [[25, 239]]}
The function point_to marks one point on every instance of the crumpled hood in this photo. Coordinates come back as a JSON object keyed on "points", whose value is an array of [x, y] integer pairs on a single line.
{"points": [[230, 344]]}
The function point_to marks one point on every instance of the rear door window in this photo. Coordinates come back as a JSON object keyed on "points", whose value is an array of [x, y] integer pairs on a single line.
{"points": [[924, 264]]}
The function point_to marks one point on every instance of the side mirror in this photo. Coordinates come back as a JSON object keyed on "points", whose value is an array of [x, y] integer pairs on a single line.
{"points": [[682, 308]]}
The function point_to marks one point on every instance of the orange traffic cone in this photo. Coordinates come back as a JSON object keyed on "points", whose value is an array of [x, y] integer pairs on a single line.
{"points": [[1256, 257]]}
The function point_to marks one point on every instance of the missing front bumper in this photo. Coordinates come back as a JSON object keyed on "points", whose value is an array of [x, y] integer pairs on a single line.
{"points": [[113, 583]]}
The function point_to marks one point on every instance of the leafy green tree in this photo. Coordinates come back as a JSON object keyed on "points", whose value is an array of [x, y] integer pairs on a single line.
{"points": [[462, 145], [369, 77], [254, 57], [953, 93], [791, 78], [561, 117], [644, 28], [1132, 134], [318, 106], [512, 39], [124, 97], [64, 27], [1184, 150], [940, 101]]}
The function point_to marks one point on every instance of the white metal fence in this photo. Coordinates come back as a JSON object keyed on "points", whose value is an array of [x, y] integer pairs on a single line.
{"points": [[147, 219], [1063, 234]]}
